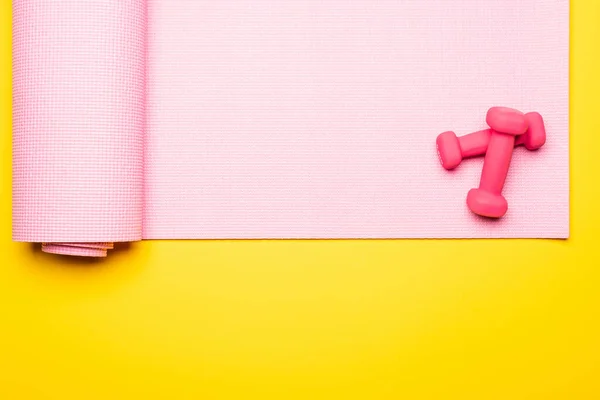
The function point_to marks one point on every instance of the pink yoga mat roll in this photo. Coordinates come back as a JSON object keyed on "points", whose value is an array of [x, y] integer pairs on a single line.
{"points": [[78, 112]]}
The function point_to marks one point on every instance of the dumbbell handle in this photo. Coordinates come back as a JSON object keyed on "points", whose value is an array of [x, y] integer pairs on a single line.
{"points": [[476, 143], [497, 162], [519, 140]]}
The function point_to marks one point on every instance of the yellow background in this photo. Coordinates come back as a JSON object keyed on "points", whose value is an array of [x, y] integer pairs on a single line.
{"points": [[300, 319]]}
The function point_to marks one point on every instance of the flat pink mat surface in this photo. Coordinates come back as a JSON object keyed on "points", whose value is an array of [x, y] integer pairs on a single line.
{"points": [[281, 119]]}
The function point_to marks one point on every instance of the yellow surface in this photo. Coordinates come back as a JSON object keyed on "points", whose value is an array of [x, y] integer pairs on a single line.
{"points": [[300, 319]]}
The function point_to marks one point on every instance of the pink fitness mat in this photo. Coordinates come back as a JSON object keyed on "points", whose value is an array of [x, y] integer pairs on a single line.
{"points": [[179, 119]]}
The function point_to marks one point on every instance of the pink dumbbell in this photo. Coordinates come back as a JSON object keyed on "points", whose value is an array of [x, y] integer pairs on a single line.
{"points": [[453, 149], [506, 124]]}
